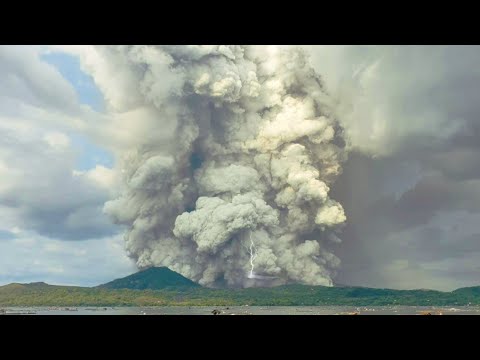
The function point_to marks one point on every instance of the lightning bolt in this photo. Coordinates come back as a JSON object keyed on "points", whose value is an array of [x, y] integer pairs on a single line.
{"points": [[253, 255]]}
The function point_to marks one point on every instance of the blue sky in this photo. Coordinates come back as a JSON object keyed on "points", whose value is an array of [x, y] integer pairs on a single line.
{"points": [[69, 67], [42, 202], [89, 154]]}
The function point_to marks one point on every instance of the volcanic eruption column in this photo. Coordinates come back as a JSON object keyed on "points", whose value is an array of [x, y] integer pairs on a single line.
{"points": [[241, 143]]}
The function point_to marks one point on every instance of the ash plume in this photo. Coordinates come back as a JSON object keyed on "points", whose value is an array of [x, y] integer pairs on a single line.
{"points": [[240, 142]]}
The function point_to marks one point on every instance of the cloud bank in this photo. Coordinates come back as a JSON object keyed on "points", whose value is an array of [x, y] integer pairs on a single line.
{"points": [[45, 198], [412, 118]]}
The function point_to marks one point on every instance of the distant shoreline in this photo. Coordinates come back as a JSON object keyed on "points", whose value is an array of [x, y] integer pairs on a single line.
{"points": [[41, 294], [249, 310]]}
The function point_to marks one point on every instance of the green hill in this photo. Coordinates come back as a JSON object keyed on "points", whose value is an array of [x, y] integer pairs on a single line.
{"points": [[161, 287], [470, 293], [155, 278]]}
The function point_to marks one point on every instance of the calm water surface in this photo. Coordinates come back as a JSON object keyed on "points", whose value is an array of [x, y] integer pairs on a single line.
{"points": [[247, 310]]}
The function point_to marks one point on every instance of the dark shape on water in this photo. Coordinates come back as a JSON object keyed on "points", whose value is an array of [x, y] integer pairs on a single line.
{"points": [[154, 278]]}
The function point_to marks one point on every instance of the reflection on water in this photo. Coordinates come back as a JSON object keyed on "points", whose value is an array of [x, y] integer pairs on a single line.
{"points": [[245, 310]]}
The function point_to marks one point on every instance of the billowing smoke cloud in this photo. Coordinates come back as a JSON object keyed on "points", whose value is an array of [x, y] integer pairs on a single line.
{"points": [[237, 142], [414, 108]]}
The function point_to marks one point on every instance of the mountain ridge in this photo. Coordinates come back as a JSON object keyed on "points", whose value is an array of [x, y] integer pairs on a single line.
{"points": [[153, 278], [163, 287]]}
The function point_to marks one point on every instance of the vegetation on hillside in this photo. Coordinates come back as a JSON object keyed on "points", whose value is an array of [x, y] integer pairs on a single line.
{"points": [[161, 287], [51, 295], [154, 278]]}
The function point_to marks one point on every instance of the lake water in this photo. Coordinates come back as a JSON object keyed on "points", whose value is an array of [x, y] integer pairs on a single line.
{"points": [[246, 310]]}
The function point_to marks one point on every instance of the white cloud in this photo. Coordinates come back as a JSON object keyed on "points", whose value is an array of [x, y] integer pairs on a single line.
{"points": [[41, 193], [100, 176], [39, 110], [57, 140], [32, 82], [88, 263], [388, 95]]}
